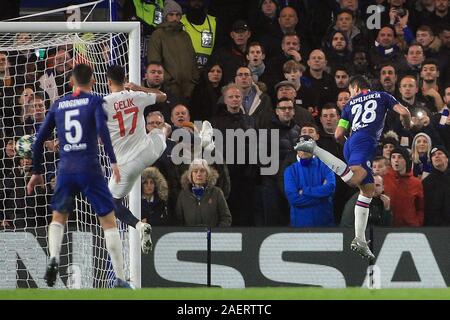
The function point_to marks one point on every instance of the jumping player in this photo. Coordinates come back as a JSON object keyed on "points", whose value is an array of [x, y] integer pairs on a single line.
{"points": [[364, 114], [79, 118], [134, 148]]}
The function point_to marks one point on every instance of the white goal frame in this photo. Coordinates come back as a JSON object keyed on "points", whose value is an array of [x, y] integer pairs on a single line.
{"points": [[134, 37]]}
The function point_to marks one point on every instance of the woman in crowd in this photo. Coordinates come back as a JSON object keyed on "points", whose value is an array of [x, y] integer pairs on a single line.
{"points": [[200, 202], [206, 93], [154, 197], [420, 154]]}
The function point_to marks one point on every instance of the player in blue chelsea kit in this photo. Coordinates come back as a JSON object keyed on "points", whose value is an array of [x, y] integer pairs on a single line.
{"points": [[364, 114], [79, 118]]}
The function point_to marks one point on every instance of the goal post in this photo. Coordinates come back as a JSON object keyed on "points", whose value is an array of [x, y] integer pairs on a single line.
{"points": [[74, 34]]}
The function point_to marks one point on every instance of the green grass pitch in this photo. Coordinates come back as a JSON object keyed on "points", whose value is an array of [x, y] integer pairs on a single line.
{"points": [[273, 293]]}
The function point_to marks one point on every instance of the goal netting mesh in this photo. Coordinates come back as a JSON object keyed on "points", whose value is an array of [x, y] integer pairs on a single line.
{"points": [[35, 70]]}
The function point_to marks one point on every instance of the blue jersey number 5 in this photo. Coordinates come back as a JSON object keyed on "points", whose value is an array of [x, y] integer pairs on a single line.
{"points": [[73, 123]]}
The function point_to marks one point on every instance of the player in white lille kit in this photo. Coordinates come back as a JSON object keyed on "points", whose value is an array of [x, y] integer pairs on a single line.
{"points": [[135, 149], [79, 118]]}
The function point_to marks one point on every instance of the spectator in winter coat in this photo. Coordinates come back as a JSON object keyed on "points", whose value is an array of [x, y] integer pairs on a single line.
{"points": [[420, 155], [404, 190], [154, 197], [437, 190], [309, 186], [200, 202], [172, 47]]}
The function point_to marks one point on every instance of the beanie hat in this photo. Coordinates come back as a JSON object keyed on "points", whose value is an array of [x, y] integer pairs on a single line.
{"points": [[420, 134], [438, 148], [171, 6], [405, 154]]}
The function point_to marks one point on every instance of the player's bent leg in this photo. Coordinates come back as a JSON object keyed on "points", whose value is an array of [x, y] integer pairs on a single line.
{"points": [[124, 214], [359, 174], [55, 237], [113, 243], [334, 163]]}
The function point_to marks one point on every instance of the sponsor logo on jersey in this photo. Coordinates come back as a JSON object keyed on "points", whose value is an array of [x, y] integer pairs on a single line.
{"points": [[75, 147]]}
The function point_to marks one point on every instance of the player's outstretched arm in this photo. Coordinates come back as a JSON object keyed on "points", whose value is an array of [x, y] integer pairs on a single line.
{"points": [[160, 96], [341, 129], [405, 115], [35, 180]]}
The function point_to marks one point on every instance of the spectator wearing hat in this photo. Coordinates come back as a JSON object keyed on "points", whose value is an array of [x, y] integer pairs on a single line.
{"points": [[437, 190], [389, 142], [171, 46], [200, 202], [286, 89], [263, 18], [420, 155], [233, 56], [404, 190], [309, 186]]}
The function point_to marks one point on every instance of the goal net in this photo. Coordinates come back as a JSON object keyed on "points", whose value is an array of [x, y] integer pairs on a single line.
{"points": [[35, 69]]}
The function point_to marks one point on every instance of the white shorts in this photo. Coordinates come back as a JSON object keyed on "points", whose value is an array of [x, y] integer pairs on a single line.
{"points": [[131, 170]]}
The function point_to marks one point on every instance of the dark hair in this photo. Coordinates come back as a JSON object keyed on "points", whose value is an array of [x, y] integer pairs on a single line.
{"points": [[389, 27], [116, 74], [388, 64], [82, 73], [310, 125], [340, 68], [285, 99], [254, 44], [426, 28], [361, 81], [345, 10], [290, 34], [430, 61], [328, 106]]}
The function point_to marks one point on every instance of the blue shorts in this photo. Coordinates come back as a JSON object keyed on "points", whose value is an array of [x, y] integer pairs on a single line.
{"points": [[359, 151], [94, 187]]}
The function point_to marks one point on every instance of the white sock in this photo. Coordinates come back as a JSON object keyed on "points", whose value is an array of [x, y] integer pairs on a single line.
{"points": [[55, 238], [361, 216], [114, 247], [334, 163]]}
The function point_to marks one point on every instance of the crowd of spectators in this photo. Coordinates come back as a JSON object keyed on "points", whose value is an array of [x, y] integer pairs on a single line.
{"points": [[277, 65]]}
